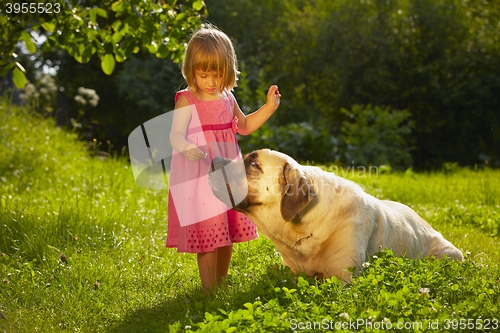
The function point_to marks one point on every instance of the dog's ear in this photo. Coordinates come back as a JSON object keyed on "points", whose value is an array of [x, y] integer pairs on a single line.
{"points": [[296, 192]]}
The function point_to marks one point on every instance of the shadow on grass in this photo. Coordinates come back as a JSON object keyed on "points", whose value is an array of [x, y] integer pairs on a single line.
{"points": [[185, 309]]}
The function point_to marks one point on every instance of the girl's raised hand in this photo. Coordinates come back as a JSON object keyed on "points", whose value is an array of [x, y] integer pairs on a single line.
{"points": [[273, 97]]}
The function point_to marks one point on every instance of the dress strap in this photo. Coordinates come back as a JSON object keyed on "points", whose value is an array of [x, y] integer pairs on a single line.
{"points": [[186, 93], [230, 95]]}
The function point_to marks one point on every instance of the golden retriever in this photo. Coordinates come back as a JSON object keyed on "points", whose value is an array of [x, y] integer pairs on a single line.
{"points": [[321, 224]]}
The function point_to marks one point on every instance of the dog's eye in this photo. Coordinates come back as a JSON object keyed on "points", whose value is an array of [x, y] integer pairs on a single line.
{"points": [[255, 167]]}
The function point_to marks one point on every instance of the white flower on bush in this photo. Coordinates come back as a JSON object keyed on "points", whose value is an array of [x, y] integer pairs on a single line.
{"points": [[41, 95], [29, 92], [87, 96], [365, 264], [80, 100], [48, 86]]}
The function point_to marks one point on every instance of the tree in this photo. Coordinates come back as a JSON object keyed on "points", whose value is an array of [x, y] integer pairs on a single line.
{"points": [[139, 89], [438, 59], [111, 29]]}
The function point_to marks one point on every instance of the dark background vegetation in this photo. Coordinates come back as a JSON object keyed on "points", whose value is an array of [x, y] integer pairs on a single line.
{"points": [[410, 83]]}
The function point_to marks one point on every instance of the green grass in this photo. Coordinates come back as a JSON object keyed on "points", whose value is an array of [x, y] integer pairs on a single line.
{"points": [[58, 196]]}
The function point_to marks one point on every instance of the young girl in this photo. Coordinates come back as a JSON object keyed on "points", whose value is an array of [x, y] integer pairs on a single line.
{"points": [[206, 119]]}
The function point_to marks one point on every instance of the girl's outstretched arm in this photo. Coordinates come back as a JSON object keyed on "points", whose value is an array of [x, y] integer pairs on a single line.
{"points": [[250, 123]]}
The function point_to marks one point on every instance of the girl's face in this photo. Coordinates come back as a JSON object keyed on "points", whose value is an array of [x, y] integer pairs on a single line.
{"points": [[208, 83]]}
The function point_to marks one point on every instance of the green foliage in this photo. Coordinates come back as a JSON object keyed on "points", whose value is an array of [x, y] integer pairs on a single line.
{"points": [[302, 141], [425, 295], [149, 84], [112, 30], [376, 136], [82, 249], [59, 196], [485, 218], [18, 77], [369, 136], [140, 89], [438, 59]]}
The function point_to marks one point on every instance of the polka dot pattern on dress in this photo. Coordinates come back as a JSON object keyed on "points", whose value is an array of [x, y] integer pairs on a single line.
{"points": [[208, 239]]}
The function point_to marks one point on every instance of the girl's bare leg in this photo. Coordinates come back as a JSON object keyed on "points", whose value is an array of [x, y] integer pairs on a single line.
{"points": [[223, 260], [207, 264], [214, 266]]}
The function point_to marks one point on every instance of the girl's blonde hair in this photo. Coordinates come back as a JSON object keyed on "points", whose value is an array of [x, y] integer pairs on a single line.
{"points": [[209, 49]]}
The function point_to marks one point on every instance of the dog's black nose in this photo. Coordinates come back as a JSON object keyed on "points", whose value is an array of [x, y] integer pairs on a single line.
{"points": [[216, 163], [227, 178], [219, 163]]}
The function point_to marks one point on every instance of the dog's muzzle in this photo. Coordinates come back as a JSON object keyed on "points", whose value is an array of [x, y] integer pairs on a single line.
{"points": [[227, 178]]}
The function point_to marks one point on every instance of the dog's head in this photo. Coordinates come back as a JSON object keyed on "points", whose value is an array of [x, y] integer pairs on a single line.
{"points": [[271, 180]]}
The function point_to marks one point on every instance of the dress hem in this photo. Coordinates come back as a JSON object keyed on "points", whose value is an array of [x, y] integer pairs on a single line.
{"points": [[212, 250]]}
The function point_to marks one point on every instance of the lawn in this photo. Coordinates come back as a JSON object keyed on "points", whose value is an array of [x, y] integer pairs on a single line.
{"points": [[82, 250]]}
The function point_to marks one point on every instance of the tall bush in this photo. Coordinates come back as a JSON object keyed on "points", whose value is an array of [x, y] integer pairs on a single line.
{"points": [[439, 59], [302, 141], [376, 136], [369, 136]]}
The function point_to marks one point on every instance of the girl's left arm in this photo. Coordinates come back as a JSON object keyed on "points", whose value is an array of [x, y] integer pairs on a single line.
{"points": [[250, 123]]}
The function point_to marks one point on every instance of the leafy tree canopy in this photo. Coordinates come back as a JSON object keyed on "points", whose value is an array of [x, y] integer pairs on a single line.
{"points": [[112, 29]]}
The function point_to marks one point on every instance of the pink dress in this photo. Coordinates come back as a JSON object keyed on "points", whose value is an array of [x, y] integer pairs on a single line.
{"points": [[196, 222]]}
